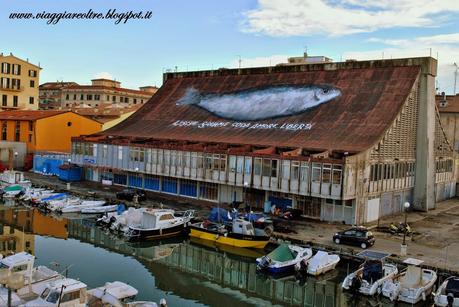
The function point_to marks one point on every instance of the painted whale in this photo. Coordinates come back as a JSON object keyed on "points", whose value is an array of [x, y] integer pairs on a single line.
{"points": [[261, 103]]}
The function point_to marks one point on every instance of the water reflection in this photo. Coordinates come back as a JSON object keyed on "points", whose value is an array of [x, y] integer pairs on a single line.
{"points": [[184, 272]]}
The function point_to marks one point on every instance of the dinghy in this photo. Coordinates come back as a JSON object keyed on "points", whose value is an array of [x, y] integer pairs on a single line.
{"points": [[58, 205], [369, 278], [448, 293], [412, 285], [283, 259], [83, 205], [99, 209], [320, 263]]}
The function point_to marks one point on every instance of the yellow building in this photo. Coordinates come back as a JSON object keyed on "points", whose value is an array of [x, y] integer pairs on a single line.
{"points": [[45, 130], [19, 81]]}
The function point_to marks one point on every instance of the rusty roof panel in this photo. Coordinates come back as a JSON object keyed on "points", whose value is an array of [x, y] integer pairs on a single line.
{"points": [[353, 122]]}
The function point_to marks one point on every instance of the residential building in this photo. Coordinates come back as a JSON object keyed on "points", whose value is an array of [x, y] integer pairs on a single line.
{"points": [[19, 81], [372, 141], [306, 59], [45, 130], [107, 116], [101, 92]]}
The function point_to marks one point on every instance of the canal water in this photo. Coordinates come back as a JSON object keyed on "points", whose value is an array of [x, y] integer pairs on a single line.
{"points": [[184, 272]]}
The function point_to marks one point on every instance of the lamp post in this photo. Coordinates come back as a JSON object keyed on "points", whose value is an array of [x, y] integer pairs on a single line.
{"points": [[14, 159], [11, 281], [403, 247]]}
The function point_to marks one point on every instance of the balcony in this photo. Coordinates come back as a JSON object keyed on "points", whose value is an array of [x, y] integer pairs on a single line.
{"points": [[11, 89]]}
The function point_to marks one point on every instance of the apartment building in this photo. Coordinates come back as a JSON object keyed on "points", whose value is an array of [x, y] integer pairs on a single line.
{"points": [[19, 82]]}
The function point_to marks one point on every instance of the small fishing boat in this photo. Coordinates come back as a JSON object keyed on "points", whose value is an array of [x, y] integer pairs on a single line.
{"points": [[13, 190], [411, 285], [99, 209], [157, 223], [117, 294], [58, 205], [369, 278], [82, 205], [448, 293], [62, 292], [283, 259], [239, 233], [320, 263]]}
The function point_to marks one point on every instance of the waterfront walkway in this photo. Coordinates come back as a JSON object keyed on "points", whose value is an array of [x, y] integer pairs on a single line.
{"points": [[436, 238]]}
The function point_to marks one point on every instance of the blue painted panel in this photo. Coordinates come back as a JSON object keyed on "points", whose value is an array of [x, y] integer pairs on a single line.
{"points": [[189, 189], [135, 181], [152, 184], [120, 179], [170, 186]]}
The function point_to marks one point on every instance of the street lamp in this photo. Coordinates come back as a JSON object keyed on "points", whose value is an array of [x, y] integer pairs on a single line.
{"points": [[11, 281], [14, 160], [403, 247]]}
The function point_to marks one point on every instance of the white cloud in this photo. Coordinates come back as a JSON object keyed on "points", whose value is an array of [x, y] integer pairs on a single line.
{"points": [[342, 17], [103, 75], [259, 61], [444, 45]]}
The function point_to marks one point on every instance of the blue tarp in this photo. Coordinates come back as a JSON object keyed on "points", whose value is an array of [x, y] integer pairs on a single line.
{"points": [[57, 196], [121, 208], [220, 215]]}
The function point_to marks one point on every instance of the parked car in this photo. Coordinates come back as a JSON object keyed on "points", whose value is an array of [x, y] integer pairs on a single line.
{"points": [[359, 236], [128, 194]]}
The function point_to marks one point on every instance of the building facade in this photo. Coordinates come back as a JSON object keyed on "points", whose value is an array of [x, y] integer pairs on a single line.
{"points": [[19, 81], [371, 140], [45, 130], [101, 92]]}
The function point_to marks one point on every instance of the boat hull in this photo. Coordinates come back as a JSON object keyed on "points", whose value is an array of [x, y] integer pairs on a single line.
{"points": [[151, 234], [237, 240]]}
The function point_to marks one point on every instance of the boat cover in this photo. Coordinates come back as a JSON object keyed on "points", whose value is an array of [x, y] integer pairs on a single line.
{"points": [[453, 287], [372, 271], [13, 188], [319, 259], [282, 253], [220, 215]]}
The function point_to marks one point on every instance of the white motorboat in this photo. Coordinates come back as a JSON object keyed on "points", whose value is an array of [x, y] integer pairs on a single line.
{"points": [[321, 263], [116, 294], [82, 205], [99, 209], [66, 292], [58, 205], [158, 223], [283, 259], [448, 293], [369, 278], [132, 216], [34, 277], [412, 285]]}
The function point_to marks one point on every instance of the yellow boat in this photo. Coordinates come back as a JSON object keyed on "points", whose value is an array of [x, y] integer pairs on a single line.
{"points": [[242, 234]]}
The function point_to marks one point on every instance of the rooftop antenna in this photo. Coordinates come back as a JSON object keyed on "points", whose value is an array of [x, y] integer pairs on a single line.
{"points": [[240, 61]]}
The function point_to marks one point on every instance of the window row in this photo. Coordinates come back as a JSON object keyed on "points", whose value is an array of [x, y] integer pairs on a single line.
{"points": [[8, 68], [17, 131], [442, 166], [383, 171], [86, 149], [97, 97]]}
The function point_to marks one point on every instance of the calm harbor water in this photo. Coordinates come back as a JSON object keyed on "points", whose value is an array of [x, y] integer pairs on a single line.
{"points": [[184, 272]]}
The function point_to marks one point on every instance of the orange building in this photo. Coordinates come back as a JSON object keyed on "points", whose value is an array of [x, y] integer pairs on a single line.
{"points": [[45, 130]]}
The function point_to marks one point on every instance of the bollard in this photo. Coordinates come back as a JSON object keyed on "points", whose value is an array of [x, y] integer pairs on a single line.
{"points": [[403, 250]]}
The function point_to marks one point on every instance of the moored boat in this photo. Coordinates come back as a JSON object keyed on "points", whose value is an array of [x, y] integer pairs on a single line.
{"points": [[283, 259], [411, 285], [239, 233], [99, 209], [448, 293], [83, 205], [321, 263]]}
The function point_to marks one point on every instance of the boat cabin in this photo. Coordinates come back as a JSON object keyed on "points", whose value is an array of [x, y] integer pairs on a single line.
{"points": [[65, 292], [21, 263], [243, 227], [157, 218], [115, 294]]}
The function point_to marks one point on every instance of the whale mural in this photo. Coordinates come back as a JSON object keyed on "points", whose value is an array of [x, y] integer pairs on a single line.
{"points": [[261, 103]]}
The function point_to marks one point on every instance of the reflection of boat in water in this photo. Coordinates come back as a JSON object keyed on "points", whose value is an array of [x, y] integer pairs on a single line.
{"points": [[238, 251], [240, 234]]}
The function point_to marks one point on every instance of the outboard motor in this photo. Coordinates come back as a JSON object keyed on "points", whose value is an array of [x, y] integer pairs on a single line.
{"points": [[264, 263], [450, 299], [302, 267]]}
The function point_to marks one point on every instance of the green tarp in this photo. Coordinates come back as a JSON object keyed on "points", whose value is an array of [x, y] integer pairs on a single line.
{"points": [[282, 254], [13, 188]]}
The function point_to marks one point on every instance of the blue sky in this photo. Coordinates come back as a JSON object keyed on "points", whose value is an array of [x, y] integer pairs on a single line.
{"points": [[209, 34]]}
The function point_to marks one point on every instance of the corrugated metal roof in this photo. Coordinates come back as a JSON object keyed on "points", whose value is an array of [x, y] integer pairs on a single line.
{"points": [[371, 98]]}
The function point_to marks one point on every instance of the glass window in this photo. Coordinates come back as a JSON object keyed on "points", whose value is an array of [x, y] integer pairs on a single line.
{"points": [[326, 173], [274, 163], [240, 164], [266, 167], [286, 169], [295, 170], [316, 172], [257, 167], [337, 172], [232, 164], [248, 165], [200, 160], [194, 158], [304, 172]]}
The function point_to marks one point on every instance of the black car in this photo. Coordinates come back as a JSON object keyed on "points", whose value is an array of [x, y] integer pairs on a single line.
{"points": [[128, 194], [358, 236]]}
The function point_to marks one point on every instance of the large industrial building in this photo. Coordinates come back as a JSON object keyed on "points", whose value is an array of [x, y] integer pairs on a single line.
{"points": [[347, 141]]}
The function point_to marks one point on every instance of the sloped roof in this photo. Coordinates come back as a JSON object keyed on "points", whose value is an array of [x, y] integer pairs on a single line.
{"points": [[371, 97], [28, 115]]}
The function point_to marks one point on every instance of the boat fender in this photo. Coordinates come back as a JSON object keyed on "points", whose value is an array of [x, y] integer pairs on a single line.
{"points": [[423, 296]]}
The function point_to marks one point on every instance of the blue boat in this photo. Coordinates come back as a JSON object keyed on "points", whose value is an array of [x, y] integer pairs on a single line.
{"points": [[283, 259]]}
